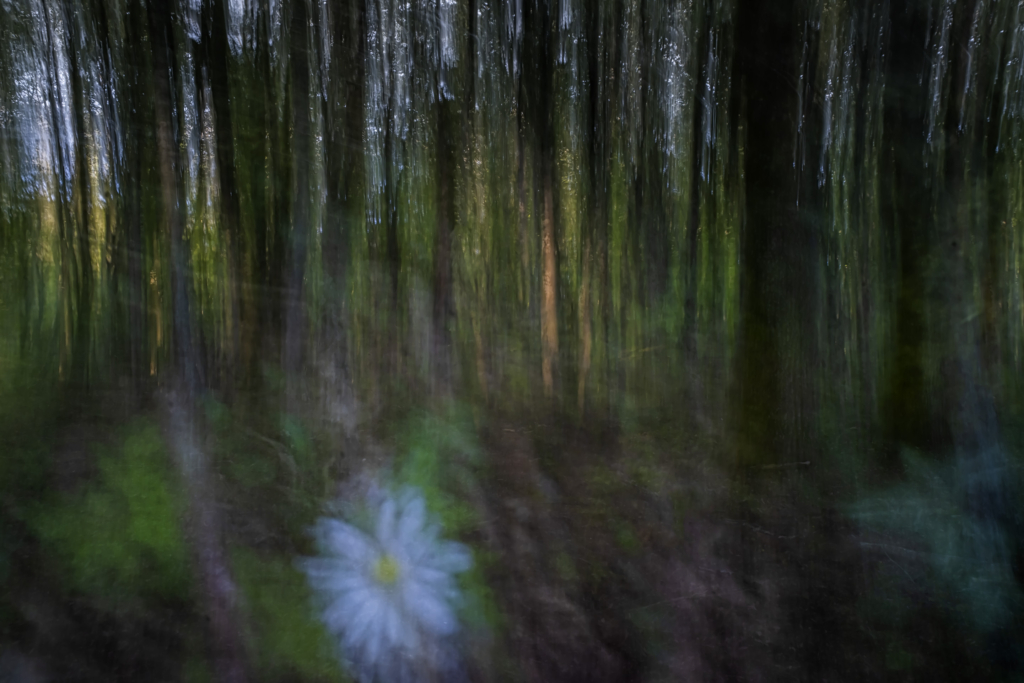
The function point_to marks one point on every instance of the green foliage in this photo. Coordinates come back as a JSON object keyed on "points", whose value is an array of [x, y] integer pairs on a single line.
{"points": [[443, 459], [287, 639], [26, 423], [964, 555], [301, 446], [121, 537]]}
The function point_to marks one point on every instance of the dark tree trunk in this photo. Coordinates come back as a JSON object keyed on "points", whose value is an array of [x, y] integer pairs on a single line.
{"points": [[344, 153], [216, 57], [83, 222], [181, 422], [135, 143], [777, 285], [63, 193], [392, 185], [905, 402], [447, 121], [295, 324]]}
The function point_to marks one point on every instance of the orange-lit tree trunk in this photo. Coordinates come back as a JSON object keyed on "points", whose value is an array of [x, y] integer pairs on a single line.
{"points": [[549, 286], [538, 103]]}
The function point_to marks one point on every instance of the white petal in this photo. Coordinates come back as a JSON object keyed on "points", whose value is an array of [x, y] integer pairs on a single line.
{"points": [[376, 636], [393, 627], [422, 545], [430, 610], [453, 557], [413, 518], [348, 582], [321, 570], [386, 521], [343, 540], [430, 578], [364, 621], [338, 617]]}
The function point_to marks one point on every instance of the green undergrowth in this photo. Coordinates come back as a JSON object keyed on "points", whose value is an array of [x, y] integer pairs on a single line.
{"points": [[120, 537], [286, 642], [440, 455]]}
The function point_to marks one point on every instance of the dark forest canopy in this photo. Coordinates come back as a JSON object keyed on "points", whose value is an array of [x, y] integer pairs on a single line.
{"points": [[783, 232]]}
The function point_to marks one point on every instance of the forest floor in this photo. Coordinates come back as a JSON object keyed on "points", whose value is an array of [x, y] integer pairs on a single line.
{"points": [[610, 556]]}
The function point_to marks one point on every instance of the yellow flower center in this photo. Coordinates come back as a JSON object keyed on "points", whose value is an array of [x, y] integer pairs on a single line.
{"points": [[386, 570]]}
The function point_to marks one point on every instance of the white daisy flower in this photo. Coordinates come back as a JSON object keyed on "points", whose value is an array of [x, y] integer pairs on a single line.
{"points": [[389, 597]]}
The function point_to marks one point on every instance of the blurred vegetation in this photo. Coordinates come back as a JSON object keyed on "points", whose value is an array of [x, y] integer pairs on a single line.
{"points": [[287, 642], [122, 536], [701, 322]]}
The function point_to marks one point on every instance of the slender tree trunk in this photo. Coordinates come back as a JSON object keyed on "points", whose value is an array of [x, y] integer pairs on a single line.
{"points": [[442, 305], [392, 186], [540, 31], [549, 281], [586, 334], [23, 259], [216, 56], [525, 288], [591, 291], [905, 401], [344, 163], [295, 324], [697, 152], [131, 202], [67, 284], [778, 290], [83, 178], [265, 200], [279, 229]]}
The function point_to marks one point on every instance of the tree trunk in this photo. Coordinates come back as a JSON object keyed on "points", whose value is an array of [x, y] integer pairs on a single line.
{"points": [[83, 183], [549, 280], [216, 55], [295, 324], [442, 305], [905, 401], [181, 424], [777, 285], [344, 164], [63, 199]]}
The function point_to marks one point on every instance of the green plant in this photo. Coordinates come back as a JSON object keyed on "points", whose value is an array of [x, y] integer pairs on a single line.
{"points": [[121, 536]]}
